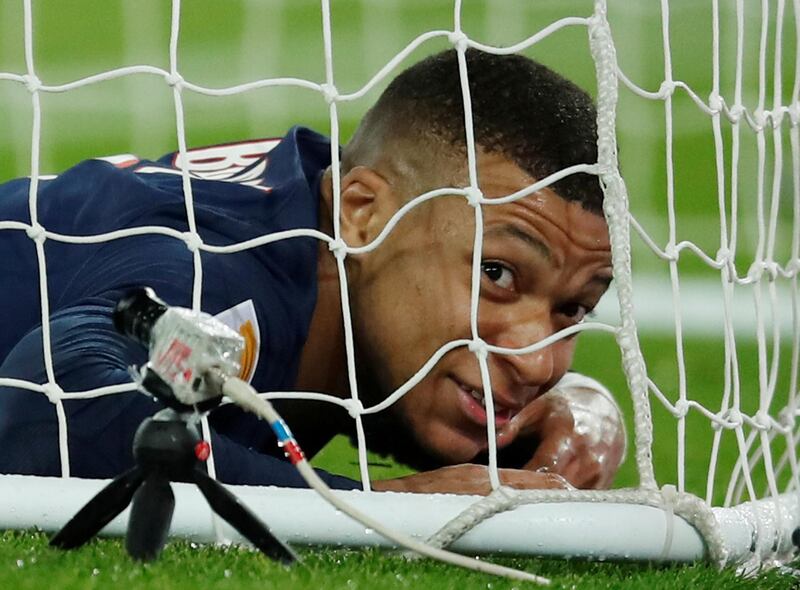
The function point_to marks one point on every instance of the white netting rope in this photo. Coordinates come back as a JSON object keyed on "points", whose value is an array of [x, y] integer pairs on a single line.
{"points": [[504, 498], [764, 267], [768, 523], [615, 207]]}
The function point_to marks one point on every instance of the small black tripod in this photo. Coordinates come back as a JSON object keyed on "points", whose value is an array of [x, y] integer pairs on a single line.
{"points": [[166, 448]]}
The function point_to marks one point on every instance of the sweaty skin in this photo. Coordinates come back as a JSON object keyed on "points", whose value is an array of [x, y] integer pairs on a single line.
{"points": [[546, 263], [576, 431]]}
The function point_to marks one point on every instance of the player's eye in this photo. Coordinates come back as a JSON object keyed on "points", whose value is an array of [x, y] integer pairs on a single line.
{"points": [[498, 273], [576, 312]]}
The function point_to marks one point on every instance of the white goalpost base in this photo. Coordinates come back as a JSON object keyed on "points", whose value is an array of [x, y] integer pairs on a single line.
{"points": [[599, 530]]}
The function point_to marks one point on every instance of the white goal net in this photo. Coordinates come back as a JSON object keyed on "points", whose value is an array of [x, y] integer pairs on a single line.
{"points": [[699, 338]]}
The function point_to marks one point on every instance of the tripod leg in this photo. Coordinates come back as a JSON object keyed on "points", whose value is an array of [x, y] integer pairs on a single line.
{"points": [[99, 511], [242, 519], [151, 515]]}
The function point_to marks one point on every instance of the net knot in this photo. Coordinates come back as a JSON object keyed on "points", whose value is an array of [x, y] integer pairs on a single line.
{"points": [[192, 241], [53, 392], [174, 80], [723, 257], [734, 418], [459, 40], [474, 195], [666, 89], [37, 233], [605, 169], [776, 116], [329, 93], [671, 252], [32, 83], [794, 113], [755, 271], [354, 407], [681, 408], [772, 269], [338, 247], [669, 496], [479, 347], [716, 103], [762, 421], [735, 113], [786, 418], [760, 119]]}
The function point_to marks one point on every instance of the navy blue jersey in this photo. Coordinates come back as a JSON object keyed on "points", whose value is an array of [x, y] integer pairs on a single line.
{"points": [[240, 191]]}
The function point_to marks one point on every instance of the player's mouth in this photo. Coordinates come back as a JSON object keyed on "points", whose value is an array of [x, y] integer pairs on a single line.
{"points": [[473, 404]]}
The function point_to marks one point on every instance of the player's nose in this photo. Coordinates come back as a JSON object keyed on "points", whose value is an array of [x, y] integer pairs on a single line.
{"points": [[526, 373]]}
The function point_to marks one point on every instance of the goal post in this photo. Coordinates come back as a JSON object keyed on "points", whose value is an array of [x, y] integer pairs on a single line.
{"points": [[711, 269]]}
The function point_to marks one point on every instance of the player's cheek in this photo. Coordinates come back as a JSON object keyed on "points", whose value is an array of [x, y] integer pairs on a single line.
{"points": [[563, 354]]}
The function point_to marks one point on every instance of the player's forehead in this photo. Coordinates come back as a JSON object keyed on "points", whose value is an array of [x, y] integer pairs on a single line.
{"points": [[499, 176], [544, 209]]}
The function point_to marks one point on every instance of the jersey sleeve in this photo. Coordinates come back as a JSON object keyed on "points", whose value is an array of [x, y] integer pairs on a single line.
{"points": [[85, 279], [87, 353]]}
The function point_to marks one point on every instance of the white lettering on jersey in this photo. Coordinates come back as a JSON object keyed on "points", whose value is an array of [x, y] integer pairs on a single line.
{"points": [[221, 162], [121, 160], [225, 163]]}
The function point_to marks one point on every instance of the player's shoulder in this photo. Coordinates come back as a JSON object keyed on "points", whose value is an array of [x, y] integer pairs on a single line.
{"points": [[239, 188], [257, 163]]}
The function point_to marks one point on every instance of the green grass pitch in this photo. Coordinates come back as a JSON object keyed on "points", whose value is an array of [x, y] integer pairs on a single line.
{"points": [[226, 43], [27, 563]]}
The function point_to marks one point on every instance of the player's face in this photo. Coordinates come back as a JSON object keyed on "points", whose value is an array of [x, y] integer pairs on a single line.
{"points": [[546, 262]]}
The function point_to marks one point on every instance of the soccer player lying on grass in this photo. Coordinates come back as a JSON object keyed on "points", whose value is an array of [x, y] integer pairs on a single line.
{"points": [[546, 263]]}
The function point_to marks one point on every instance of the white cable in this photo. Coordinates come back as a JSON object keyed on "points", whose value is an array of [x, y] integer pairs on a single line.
{"points": [[247, 398]]}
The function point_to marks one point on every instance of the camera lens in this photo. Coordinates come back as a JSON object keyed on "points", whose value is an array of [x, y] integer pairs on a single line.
{"points": [[137, 312]]}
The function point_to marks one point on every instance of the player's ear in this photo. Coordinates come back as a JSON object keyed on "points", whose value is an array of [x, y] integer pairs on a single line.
{"points": [[366, 205]]}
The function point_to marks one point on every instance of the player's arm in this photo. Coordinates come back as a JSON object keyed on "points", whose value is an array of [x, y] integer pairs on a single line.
{"points": [[573, 436], [469, 479], [575, 430], [88, 353]]}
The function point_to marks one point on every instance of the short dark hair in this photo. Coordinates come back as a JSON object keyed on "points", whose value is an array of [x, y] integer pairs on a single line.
{"points": [[521, 109]]}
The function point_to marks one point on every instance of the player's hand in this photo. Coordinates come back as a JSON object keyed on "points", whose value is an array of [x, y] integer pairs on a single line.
{"points": [[575, 432], [469, 479]]}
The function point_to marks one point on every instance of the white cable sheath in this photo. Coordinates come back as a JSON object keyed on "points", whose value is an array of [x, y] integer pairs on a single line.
{"points": [[243, 395]]}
